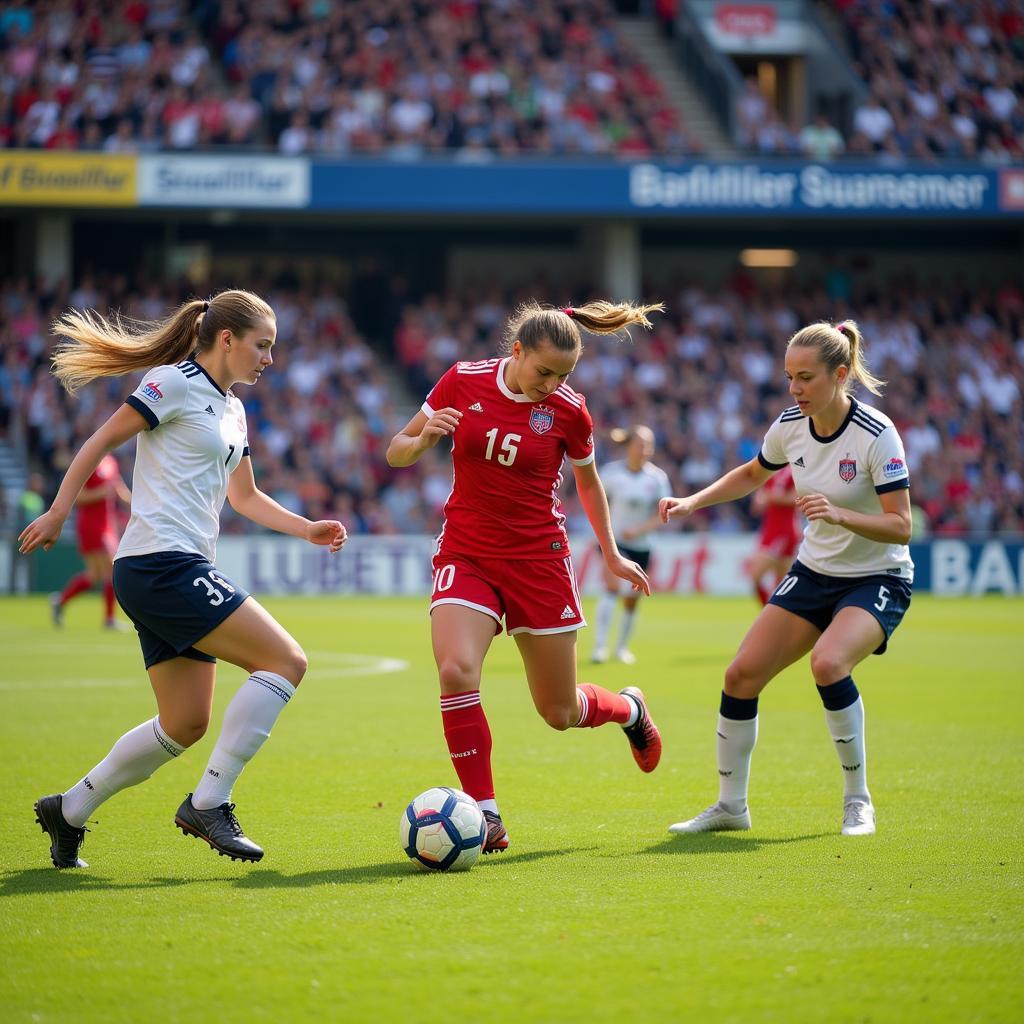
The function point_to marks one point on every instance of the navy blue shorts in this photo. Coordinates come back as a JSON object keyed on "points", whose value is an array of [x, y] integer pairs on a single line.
{"points": [[174, 599], [818, 598], [642, 558]]}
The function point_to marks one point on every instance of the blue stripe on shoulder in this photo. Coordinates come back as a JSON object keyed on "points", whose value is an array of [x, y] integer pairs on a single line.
{"points": [[896, 485]]}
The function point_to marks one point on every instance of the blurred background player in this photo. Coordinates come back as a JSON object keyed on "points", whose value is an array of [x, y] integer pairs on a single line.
{"points": [[634, 486], [192, 453], [850, 585], [97, 534], [779, 536], [503, 550]]}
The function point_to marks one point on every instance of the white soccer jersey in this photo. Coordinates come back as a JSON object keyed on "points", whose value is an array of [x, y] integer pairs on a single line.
{"points": [[197, 438], [633, 498], [862, 459]]}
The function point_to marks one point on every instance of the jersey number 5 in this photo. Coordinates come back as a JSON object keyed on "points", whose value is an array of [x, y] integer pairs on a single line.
{"points": [[508, 452]]}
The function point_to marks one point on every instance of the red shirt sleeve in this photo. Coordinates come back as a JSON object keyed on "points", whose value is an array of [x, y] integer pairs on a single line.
{"points": [[444, 393], [579, 441]]}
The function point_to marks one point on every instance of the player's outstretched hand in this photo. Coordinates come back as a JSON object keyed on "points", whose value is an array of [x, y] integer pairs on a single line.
{"points": [[675, 508], [327, 533], [817, 506], [627, 570], [441, 424], [42, 532]]}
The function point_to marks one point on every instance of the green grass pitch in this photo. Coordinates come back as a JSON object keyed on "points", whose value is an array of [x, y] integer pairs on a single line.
{"points": [[595, 913]]}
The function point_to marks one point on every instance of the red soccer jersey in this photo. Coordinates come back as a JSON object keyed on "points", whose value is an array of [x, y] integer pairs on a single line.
{"points": [[98, 517], [779, 520], [507, 456]]}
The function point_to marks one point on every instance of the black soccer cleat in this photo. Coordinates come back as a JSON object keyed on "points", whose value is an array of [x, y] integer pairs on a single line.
{"points": [[219, 827], [496, 839], [65, 840]]}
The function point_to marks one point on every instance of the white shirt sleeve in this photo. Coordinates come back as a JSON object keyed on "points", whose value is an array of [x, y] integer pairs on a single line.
{"points": [[160, 396], [888, 462], [772, 454]]}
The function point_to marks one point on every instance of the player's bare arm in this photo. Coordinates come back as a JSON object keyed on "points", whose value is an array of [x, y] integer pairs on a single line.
{"points": [[249, 501], [595, 505], [419, 434], [737, 483], [891, 526], [122, 426]]}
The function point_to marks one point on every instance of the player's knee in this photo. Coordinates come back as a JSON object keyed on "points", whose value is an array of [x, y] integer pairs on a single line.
{"points": [[186, 729], [294, 665], [742, 680], [827, 667], [559, 717], [457, 676]]}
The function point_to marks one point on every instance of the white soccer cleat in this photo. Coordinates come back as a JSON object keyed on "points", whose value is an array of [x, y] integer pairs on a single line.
{"points": [[715, 819], [600, 656], [626, 657], [858, 818]]}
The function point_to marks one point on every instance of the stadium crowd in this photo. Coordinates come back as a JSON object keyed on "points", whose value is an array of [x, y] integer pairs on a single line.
{"points": [[385, 77], [708, 380]]}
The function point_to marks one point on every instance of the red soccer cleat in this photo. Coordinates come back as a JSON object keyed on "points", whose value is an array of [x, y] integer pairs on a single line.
{"points": [[496, 839], [643, 734]]}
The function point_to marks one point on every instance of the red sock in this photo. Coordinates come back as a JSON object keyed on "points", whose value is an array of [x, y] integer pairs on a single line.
{"points": [[469, 741], [599, 706], [75, 586], [108, 598]]}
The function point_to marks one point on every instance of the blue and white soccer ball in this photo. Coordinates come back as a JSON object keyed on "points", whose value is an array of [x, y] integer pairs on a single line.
{"points": [[443, 830]]}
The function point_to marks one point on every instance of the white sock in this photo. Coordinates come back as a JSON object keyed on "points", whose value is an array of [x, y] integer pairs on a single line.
{"points": [[605, 611], [488, 805], [736, 739], [626, 627], [635, 714], [247, 723], [132, 759], [847, 729]]}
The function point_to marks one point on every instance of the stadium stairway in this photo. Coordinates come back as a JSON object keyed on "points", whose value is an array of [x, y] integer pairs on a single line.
{"points": [[643, 37]]}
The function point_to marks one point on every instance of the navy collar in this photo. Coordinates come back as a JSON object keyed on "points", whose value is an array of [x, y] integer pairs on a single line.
{"points": [[202, 370], [842, 426]]}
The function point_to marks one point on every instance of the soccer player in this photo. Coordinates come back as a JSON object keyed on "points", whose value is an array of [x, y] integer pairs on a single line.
{"points": [[779, 536], [95, 526], [503, 550], [634, 487], [850, 584], [192, 451]]}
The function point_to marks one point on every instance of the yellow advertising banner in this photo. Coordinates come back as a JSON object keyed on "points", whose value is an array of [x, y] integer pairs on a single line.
{"points": [[29, 178]]}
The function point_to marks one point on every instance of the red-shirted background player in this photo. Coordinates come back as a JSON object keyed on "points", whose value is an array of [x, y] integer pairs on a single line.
{"points": [[97, 532], [503, 550], [780, 532]]}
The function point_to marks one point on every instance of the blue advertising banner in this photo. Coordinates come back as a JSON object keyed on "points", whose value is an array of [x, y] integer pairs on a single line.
{"points": [[962, 568], [656, 189]]}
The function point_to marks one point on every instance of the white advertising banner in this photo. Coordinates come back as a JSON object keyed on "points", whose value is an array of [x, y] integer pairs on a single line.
{"points": [[229, 181], [682, 564]]}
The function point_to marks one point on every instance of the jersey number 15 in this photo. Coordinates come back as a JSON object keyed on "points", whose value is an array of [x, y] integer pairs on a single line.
{"points": [[509, 448]]}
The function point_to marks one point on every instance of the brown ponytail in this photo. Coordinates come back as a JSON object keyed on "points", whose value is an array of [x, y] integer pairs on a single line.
{"points": [[532, 323], [93, 346]]}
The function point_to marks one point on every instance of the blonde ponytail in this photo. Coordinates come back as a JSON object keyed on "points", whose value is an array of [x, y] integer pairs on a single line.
{"points": [[837, 346], [532, 323], [94, 346]]}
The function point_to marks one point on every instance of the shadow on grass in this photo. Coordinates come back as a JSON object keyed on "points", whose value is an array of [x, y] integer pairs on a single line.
{"points": [[724, 842], [47, 880]]}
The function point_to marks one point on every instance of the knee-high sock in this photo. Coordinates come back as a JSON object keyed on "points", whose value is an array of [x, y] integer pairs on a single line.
{"points": [[626, 627], [75, 586], [599, 706], [469, 742], [737, 734], [132, 759], [247, 723], [844, 714], [605, 611]]}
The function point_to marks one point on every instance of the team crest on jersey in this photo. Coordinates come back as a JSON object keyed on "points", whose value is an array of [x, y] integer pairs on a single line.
{"points": [[542, 419], [847, 469], [893, 468], [152, 391]]}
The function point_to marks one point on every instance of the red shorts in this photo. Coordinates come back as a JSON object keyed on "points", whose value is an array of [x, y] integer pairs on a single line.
{"points": [[92, 541], [780, 545], [535, 595]]}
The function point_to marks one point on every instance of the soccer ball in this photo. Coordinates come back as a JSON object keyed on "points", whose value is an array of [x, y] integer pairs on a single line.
{"points": [[443, 830]]}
